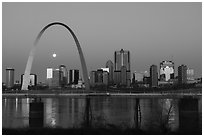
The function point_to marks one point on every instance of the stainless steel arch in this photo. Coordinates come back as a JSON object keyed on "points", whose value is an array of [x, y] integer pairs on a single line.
{"points": [[32, 53]]}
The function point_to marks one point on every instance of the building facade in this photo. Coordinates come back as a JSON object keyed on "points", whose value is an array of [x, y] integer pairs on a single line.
{"points": [[64, 76], [153, 76], [105, 78], [123, 76], [190, 74], [49, 76], [122, 58], [109, 64], [99, 76], [56, 78], [92, 78], [9, 77], [166, 70], [182, 74], [73, 76]]}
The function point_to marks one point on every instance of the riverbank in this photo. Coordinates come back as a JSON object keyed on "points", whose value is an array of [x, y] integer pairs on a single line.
{"points": [[140, 95]]}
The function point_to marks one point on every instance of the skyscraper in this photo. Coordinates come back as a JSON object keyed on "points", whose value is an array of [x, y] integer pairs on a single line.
{"points": [[56, 78], [99, 76], [122, 58], [166, 70], [9, 77], [92, 78], [49, 76], [182, 74], [153, 76], [190, 74], [123, 76], [73, 76], [63, 69], [105, 77], [109, 64]]}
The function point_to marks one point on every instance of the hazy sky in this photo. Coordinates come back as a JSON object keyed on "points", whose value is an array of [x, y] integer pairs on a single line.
{"points": [[152, 32]]}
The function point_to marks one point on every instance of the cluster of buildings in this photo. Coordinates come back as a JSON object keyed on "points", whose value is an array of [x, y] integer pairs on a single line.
{"points": [[117, 74], [57, 78], [10, 83], [165, 75], [114, 74]]}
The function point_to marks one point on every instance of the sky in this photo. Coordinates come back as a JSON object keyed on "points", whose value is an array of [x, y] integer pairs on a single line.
{"points": [[152, 32]]}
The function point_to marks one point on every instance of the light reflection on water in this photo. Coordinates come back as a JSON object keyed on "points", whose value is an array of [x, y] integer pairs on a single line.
{"points": [[148, 114]]}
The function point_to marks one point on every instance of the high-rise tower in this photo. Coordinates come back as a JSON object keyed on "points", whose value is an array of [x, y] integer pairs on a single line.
{"points": [[166, 70], [9, 77], [182, 74], [73, 76], [121, 58], [109, 64], [63, 80], [153, 76]]}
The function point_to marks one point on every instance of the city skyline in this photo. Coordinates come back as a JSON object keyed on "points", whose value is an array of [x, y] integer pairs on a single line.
{"points": [[174, 33]]}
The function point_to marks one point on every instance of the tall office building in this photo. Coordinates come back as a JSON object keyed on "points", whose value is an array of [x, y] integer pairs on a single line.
{"points": [[99, 76], [153, 76], [63, 69], [49, 76], [122, 58], [49, 73], [56, 78], [123, 76], [182, 74], [190, 74], [73, 76], [105, 77], [166, 70], [33, 79], [93, 78], [9, 77], [109, 64]]}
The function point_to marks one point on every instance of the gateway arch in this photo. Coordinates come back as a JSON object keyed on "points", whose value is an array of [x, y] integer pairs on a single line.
{"points": [[26, 79]]}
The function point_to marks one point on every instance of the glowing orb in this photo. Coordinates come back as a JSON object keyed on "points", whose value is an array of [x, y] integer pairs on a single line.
{"points": [[54, 55]]}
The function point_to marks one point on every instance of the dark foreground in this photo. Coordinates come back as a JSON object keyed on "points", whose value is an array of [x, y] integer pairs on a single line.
{"points": [[90, 131]]}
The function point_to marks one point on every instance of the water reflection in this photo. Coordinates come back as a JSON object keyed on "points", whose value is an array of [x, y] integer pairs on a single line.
{"points": [[88, 113], [189, 116], [51, 112], [137, 114], [154, 115], [36, 113]]}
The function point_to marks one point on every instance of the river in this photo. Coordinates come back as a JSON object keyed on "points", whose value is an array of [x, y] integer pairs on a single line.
{"points": [[148, 114]]}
